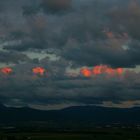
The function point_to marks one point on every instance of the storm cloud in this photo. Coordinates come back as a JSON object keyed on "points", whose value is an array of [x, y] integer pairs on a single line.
{"points": [[51, 91], [74, 34]]}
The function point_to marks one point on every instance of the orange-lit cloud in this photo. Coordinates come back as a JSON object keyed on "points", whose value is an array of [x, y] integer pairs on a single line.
{"points": [[101, 69], [97, 70], [86, 72], [6, 70], [110, 34], [119, 71], [110, 71], [38, 70]]}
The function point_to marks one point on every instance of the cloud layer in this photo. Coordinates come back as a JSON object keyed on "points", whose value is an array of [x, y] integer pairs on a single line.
{"points": [[73, 34]]}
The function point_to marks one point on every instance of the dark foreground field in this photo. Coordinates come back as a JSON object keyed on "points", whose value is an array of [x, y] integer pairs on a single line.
{"points": [[94, 135]]}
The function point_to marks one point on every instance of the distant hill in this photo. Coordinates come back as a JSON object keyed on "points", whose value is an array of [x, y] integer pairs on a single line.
{"points": [[76, 115]]}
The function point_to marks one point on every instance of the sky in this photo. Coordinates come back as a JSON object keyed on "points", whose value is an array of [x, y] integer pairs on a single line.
{"points": [[70, 40]]}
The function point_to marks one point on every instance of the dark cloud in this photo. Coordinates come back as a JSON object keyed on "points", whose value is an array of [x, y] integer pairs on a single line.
{"points": [[93, 53], [55, 6], [127, 18], [80, 33], [50, 91], [13, 57]]}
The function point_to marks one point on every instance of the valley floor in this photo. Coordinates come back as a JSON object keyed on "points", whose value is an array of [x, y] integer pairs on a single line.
{"points": [[95, 135]]}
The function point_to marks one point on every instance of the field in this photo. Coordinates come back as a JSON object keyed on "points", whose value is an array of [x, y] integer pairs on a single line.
{"points": [[95, 135]]}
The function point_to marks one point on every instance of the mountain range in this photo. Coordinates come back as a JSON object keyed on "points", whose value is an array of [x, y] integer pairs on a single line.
{"points": [[74, 115]]}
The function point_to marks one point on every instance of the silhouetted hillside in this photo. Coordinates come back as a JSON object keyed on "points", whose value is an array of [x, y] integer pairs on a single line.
{"points": [[84, 114]]}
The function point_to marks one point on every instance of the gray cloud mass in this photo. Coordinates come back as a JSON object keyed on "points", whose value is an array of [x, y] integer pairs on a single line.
{"points": [[79, 33]]}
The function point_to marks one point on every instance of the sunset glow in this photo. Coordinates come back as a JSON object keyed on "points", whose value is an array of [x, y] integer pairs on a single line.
{"points": [[86, 72], [6, 70], [101, 69], [38, 71]]}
